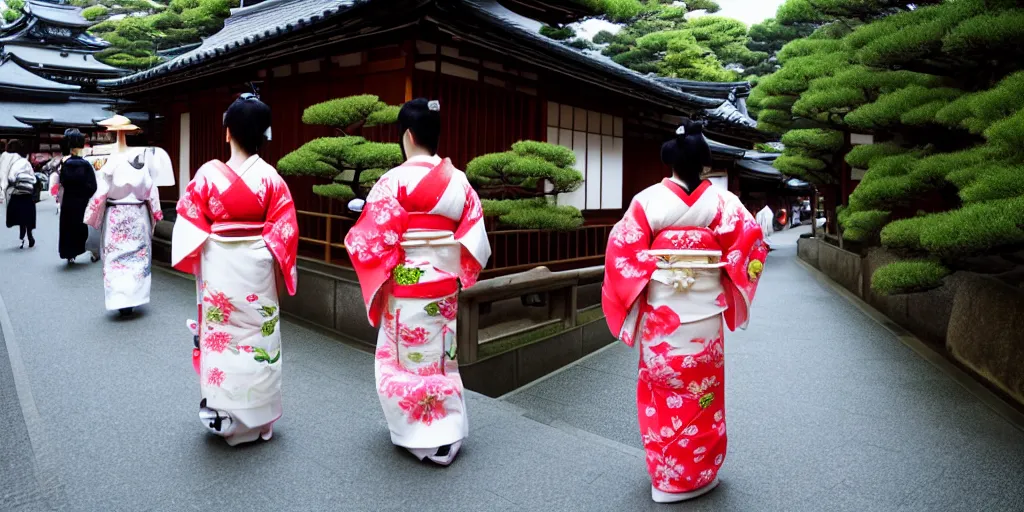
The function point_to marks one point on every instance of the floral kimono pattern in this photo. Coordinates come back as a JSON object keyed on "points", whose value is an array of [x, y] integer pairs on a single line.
{"points": [[678, 306], [410, 287], [125, 210], [234, 231]]}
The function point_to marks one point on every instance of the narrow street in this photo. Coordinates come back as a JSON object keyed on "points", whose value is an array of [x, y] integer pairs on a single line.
{"points": [[827, 411]]}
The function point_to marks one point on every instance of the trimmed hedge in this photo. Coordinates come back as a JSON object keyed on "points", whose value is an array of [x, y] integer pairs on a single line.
{"points": [[862, 156], [905, 234], [863, 226], [908, 277]]}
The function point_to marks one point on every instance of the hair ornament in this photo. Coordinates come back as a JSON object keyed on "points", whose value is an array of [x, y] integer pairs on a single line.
{"points": [[434, 105], [681, 130], [267, 133]]}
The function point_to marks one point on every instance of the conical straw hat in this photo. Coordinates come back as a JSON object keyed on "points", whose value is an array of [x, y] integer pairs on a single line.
{"points": [[117, 120]]}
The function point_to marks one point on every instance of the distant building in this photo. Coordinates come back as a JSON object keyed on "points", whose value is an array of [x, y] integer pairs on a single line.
{"points": [[48, 74]]}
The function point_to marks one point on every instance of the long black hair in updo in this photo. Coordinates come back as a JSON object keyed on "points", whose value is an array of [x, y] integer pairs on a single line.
{"points": [[423, 119], [688, 154], [248, 119]]}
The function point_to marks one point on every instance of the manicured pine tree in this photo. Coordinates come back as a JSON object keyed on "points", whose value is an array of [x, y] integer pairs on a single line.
{"points": [[353, 163], [517, 187]]}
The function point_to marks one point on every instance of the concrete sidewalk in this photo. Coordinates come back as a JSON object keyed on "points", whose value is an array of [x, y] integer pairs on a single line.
{"points": [[826, 411]]}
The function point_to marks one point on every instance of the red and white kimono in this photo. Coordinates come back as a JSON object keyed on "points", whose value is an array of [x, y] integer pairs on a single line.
{"points": [[420, 235], [234, 230], [674, 265]]}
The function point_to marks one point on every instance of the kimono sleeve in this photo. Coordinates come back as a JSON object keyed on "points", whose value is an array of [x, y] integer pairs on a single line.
{"points": [[373, 243], [472, 235], [153, 201], [627, 270], [98, 204], [192, 226], [742, 242], [281, 231]]}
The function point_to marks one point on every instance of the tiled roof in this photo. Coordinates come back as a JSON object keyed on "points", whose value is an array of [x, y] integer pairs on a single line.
{"points": [[16, 115], [54, 58], [274, 19], [14, 76], [246, 27], [66, 15]]}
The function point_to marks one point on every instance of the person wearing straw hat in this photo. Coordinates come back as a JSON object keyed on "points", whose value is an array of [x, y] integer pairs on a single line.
{"points": [[125, 210]]}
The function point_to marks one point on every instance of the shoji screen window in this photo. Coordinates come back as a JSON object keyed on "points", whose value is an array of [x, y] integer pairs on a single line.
{"points": [[597, 141]]}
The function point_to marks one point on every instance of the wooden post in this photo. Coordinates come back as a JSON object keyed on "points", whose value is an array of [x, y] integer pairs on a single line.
{"points": [[468, 327], [327, 246]]}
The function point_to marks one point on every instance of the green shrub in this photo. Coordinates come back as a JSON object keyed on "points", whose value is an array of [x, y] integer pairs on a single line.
{"points": [[10, 15], [863, 226], [516, 185], [889, 108], [862, 156], [999, 182], [94, 12], [1008, 134], [905, 234], [908, 277], [815, 140], [976, 229], [338, 191], [305, 162], [987, 35], [558, 33], [343, 112], [16, 5], [799, 165]]}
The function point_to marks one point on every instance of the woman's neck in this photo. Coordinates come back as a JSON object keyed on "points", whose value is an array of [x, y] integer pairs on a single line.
{"points": [[238, 157], [122, 142], [417, 152], [691, 182]]}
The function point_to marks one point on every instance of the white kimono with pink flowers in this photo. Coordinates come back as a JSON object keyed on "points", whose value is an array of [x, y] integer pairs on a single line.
{"points": [[420, 235]]}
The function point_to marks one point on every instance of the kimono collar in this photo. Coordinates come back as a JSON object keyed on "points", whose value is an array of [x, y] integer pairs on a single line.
{"points": [[432, 160], [247, 164], [679, 182]]}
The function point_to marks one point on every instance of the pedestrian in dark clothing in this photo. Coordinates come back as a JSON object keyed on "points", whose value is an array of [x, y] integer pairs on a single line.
{"points": [[19, 186], [78, 181]]}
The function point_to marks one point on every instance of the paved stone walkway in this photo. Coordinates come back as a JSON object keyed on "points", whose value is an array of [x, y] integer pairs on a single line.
{"points": [[827, 411]]}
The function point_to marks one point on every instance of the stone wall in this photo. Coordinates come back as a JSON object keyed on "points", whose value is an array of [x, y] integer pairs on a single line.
{"points": [[977, 320]]}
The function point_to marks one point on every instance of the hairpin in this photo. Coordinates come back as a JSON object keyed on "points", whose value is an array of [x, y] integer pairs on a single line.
{"points": [[266, 133], [434, 105], [681, 130]]}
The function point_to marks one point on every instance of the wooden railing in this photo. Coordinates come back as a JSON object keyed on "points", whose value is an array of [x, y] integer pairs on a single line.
{"points": [[323, 234]]}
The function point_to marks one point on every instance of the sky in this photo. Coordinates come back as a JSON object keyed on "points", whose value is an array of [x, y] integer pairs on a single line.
{"points": [[749, 11]]}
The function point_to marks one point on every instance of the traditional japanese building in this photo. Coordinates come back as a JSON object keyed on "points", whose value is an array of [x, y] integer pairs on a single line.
{"points": [[48, 74], [498, 80]]}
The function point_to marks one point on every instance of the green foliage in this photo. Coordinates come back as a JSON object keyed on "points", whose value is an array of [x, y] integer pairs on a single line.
{"points": [[536, 213], [345, 112], [815, 139], [10, 15], [976, 229], [908, 277], [863, 226], [94, 12], [862, 156], [15, 5], [999, 182], [982, 35], [904, 235], [515, 185], [353, 163], [888, 110], [143, 27], [559, 33]]}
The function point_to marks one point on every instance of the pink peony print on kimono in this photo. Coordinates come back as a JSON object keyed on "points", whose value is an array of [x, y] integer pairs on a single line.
{"points": [[425, 403], [217, 341], [215, 377]]}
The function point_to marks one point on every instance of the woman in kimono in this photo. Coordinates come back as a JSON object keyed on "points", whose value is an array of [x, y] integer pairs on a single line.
{"points": [[685, 255], [125, 210], [420, 236], [78, 184], [19, 184], [236, 228]]}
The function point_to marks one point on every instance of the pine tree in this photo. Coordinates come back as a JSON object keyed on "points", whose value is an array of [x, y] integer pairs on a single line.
{"points": [[352, 163], [517, 186], [940, 86]]}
